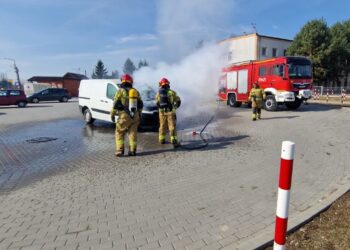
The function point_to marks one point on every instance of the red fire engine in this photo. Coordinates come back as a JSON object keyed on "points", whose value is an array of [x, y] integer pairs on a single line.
{"points": [[285, 80]]}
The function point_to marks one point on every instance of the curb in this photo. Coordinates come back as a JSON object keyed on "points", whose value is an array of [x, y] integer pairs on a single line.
{"points": [[264, 239]]}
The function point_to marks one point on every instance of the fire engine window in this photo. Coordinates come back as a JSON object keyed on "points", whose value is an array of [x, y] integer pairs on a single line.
{"points": [[262, 71], [269, 70], [274, 52], [278, 70], [264, 51]]}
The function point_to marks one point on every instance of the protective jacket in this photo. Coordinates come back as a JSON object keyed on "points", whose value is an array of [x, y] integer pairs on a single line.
{"points": [[121, 101], [167, 100], [256, 96]]}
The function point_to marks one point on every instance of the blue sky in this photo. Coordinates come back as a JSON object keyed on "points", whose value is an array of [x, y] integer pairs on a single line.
{"points": [[50, 37]]}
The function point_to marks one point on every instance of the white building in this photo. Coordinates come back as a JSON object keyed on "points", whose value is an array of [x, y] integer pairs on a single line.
{"points": [[254, 47]]}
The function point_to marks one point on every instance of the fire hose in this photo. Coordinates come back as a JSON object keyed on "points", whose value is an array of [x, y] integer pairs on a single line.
{"points": [[201, 136]]}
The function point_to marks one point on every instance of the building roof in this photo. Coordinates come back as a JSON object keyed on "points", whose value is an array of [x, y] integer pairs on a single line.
{"points": [[68, 75], [45, 78], [75, 76], [253, 34]]}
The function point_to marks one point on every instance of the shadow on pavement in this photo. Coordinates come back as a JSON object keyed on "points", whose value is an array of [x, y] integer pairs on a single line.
{"points": [[41, 102], [3, 113], [313, 107], [280, 117], [213, 144], [28, 106]]}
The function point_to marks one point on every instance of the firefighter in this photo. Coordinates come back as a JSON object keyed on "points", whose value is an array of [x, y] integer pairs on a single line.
{"points": [[167, 101], [257, 96], [128, 106]]}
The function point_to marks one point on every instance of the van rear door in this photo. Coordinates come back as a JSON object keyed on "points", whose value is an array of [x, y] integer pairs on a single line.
{"points": [[103, 102]]}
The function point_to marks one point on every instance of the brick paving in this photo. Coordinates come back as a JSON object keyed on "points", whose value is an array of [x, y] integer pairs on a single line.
{"points": [[72, 193]]}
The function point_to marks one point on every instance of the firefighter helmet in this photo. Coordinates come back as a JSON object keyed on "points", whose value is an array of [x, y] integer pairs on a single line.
{"points": [[164, 82], [126, 79]]}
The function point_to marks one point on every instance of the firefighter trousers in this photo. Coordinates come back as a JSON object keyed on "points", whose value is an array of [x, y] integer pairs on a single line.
{"points": [[167, 122], [126, 125], [256, 105]]}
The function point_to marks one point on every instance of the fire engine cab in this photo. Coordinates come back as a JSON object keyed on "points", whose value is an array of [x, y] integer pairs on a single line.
{"points": [[285, 80]]}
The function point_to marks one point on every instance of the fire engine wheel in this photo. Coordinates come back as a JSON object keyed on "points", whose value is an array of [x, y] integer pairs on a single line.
{"points": [[233, 102], [88, 117], [294, 105], [270, 103]]}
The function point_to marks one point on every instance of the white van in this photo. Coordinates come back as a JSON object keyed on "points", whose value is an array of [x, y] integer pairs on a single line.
{"points": [[96, 101]]}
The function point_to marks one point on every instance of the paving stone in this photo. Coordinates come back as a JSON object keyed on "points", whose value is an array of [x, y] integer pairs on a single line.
{"points": [[66, 192]]}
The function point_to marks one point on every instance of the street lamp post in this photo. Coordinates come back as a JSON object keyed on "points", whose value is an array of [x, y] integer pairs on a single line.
{"points": [[16, 70]]}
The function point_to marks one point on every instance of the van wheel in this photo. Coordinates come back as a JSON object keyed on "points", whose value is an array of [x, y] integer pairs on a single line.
{"points": [[35, 100], [88, 117], [233, 102], [22, 104], [64, 99], [270, 103]]}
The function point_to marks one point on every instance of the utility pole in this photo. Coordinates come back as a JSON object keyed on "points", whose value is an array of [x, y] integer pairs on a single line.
{"points": [[16, 70]]}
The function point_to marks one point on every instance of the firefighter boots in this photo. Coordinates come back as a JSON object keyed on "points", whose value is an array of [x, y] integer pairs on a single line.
{"points": [[119, 153]]}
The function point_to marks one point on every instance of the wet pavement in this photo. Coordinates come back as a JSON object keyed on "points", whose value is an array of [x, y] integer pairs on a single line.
{"points": [[34, 150], [61, 187]]}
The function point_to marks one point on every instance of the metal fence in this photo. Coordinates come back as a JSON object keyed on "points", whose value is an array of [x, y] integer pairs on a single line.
{"points": [[322, 91]]}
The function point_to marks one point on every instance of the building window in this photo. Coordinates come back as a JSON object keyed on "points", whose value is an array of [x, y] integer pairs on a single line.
{"points": [[284, 52], [274, 52], [262, 71], [264, 51]]}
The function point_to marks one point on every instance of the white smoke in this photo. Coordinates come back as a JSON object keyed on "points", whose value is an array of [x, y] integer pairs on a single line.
{"points": [[194, 78], [182, 24], [193, 72]]}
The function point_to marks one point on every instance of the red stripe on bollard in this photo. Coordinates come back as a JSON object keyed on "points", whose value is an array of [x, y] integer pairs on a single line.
{"points": [[280, 230], [286, 171], [285, 182]]}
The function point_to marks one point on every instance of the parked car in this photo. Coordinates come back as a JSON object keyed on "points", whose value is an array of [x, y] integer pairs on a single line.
{"points": [[96, 101], [50, 94], [13, 97], [150, 111]]}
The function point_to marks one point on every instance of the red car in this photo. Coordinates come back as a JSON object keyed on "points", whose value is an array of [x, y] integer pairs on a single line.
{"points": [[13, 97]]}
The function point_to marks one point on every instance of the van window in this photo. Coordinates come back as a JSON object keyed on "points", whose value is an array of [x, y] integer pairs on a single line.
{"points": [[262, 71], [111, 89], [45, 92]]}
